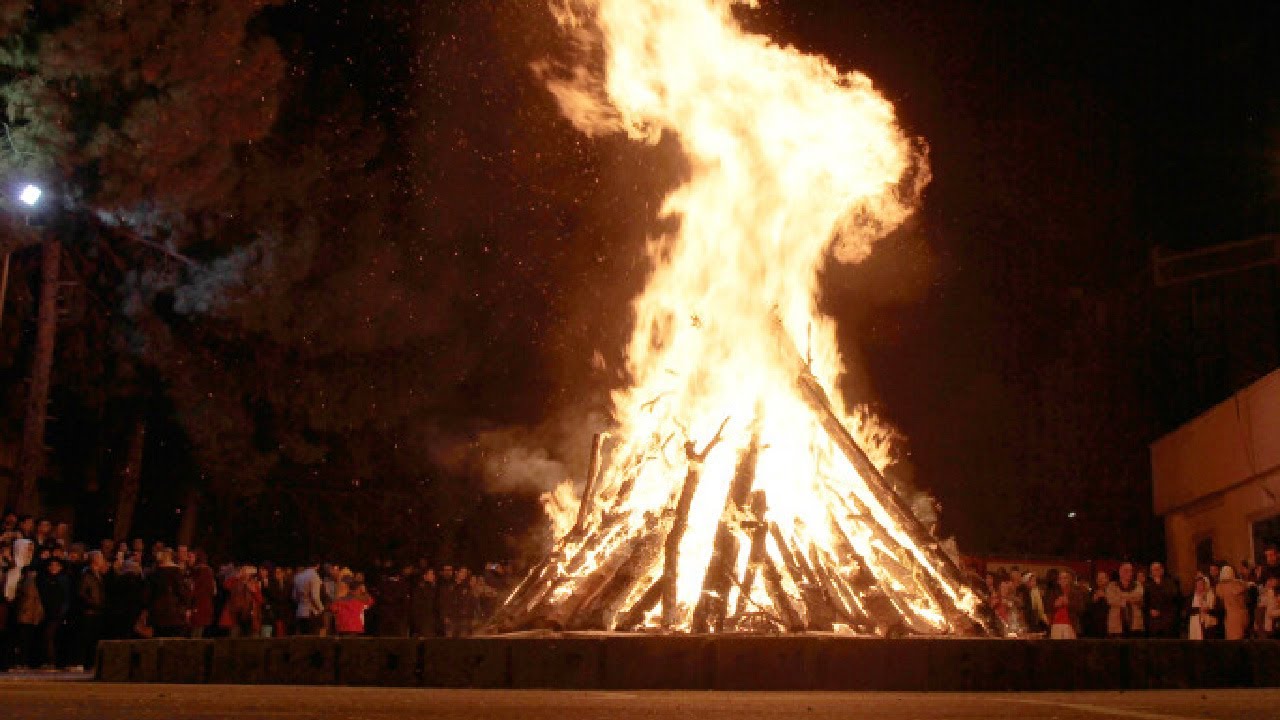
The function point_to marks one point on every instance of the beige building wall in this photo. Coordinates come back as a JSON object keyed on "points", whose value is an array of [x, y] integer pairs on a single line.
{"points": [[1217, 475]]}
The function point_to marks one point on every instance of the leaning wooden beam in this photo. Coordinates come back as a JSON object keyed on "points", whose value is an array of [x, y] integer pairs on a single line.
{"points": [[671, 547], [899, 513], [588, 491], [710, 611]]}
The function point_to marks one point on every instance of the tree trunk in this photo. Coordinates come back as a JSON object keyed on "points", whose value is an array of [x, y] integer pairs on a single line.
{"points": [[130, 480], [190, 514], [32, 462]]}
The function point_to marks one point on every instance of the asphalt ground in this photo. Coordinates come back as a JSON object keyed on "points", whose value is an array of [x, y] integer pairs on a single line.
{"points": [[47, 700]]}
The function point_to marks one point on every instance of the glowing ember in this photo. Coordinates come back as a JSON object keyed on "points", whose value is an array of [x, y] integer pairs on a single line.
{"points": [[735, 498]]}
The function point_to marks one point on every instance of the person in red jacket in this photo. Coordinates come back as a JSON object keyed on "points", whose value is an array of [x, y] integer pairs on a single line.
{"points": [[242, 614], [348, 610], [203, 588]]}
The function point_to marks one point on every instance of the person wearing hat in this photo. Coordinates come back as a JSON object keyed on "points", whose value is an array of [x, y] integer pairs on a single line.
{"points": [[1033, 603]]}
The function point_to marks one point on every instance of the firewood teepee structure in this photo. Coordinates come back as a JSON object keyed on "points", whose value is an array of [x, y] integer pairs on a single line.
{"points": [[739, 495]]}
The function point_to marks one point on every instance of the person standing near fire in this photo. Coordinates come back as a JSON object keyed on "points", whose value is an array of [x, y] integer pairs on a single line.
{"points": [[1124, 596], [1163, 599], [1066, 603]]}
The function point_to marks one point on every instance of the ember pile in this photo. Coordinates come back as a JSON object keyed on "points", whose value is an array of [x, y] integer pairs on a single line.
{"points": [[739, 494]]}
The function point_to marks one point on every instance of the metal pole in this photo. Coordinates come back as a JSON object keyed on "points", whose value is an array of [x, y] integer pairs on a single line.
{"points": [[4, 285]]}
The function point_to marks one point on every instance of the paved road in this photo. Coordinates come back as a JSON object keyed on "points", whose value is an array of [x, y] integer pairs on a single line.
{"points": [[67, 701]]}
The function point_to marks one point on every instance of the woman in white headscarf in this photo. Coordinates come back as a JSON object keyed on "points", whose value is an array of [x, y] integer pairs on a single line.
{"points": [[1203, 622], [1233, 591], [23, 552]]}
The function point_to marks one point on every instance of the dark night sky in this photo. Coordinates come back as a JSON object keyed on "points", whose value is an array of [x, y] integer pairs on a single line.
{"points": [[995, 331]]}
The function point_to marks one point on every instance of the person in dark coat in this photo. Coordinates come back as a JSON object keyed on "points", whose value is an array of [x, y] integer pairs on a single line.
{"points": [[1163, 603], [55, 598], [394, 599], [93, 604], [447, 601], [462, 614], [425, 616], [168, 597], [1097, 609], [204, 588], [126, 592]]}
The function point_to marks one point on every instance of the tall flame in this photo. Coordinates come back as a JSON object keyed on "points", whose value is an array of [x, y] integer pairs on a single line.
{"points": [[790, 161]]}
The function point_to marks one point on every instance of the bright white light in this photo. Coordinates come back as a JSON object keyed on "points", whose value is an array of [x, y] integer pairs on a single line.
{"points": [[30, 195], [1071, 514]]}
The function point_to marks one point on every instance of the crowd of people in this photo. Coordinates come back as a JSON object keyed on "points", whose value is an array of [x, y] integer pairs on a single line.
{"points": [[60, 597], [1226, 602]]}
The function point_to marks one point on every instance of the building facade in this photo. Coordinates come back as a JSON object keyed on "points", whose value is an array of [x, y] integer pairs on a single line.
{"points": [[1216, 481]]}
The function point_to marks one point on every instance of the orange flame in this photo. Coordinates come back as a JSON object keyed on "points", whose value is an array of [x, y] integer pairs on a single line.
{"points": [[791, 161]]}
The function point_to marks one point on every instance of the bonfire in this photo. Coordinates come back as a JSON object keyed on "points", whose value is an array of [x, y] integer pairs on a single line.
{"points": [[738, 493]]}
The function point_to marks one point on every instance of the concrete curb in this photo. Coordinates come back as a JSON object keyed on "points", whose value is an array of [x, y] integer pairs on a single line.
{"points": [[645, 662]]}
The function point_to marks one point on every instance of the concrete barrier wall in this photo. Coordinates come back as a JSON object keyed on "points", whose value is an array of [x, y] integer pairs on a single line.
{"points": [[698, 663]]}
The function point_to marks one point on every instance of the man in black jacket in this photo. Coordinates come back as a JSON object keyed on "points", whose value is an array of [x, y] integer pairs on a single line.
{"points": [[55, 596], [93, 605], [425, 618], [394, 599], [1162, 599]]}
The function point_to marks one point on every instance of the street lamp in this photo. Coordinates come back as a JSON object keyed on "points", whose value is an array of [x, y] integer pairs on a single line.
{"points": [[30, 195]]}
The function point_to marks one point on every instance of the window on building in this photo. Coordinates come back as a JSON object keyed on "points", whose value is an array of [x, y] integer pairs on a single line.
{"points": [[1265, 532]]}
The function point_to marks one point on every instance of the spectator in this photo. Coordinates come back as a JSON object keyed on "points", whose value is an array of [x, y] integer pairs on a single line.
{"points": [[1066, 604], [277, 598], [1204, 621], [204, 589], [242, 613], [126, 596], [464, 604], [307, 593], [30, 616], [1163, 600], [395, 600], [168, 598], [55, 599], [1231, 593], [93, 605], [425, 616], [1270, 563], [1033, 604], [1269, 606], [1124, 596], [62, 536], [44, 533], [349, 610]]}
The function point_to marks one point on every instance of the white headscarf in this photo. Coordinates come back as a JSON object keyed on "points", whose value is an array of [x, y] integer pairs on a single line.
{"points": [[23, 552]]}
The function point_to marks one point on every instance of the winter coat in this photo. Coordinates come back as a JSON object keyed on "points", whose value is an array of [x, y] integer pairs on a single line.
{"points": [[204, 587], [1126, 605], [1096, 614], [277, 605], [307, 589], [1075, 606], [244, 604], [126, 593], [1236, 617], [30, 609], [424, 618], [92, 593], [394, 600], [168, 597], [1166, 600], [55, 596], [348, 613]]}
